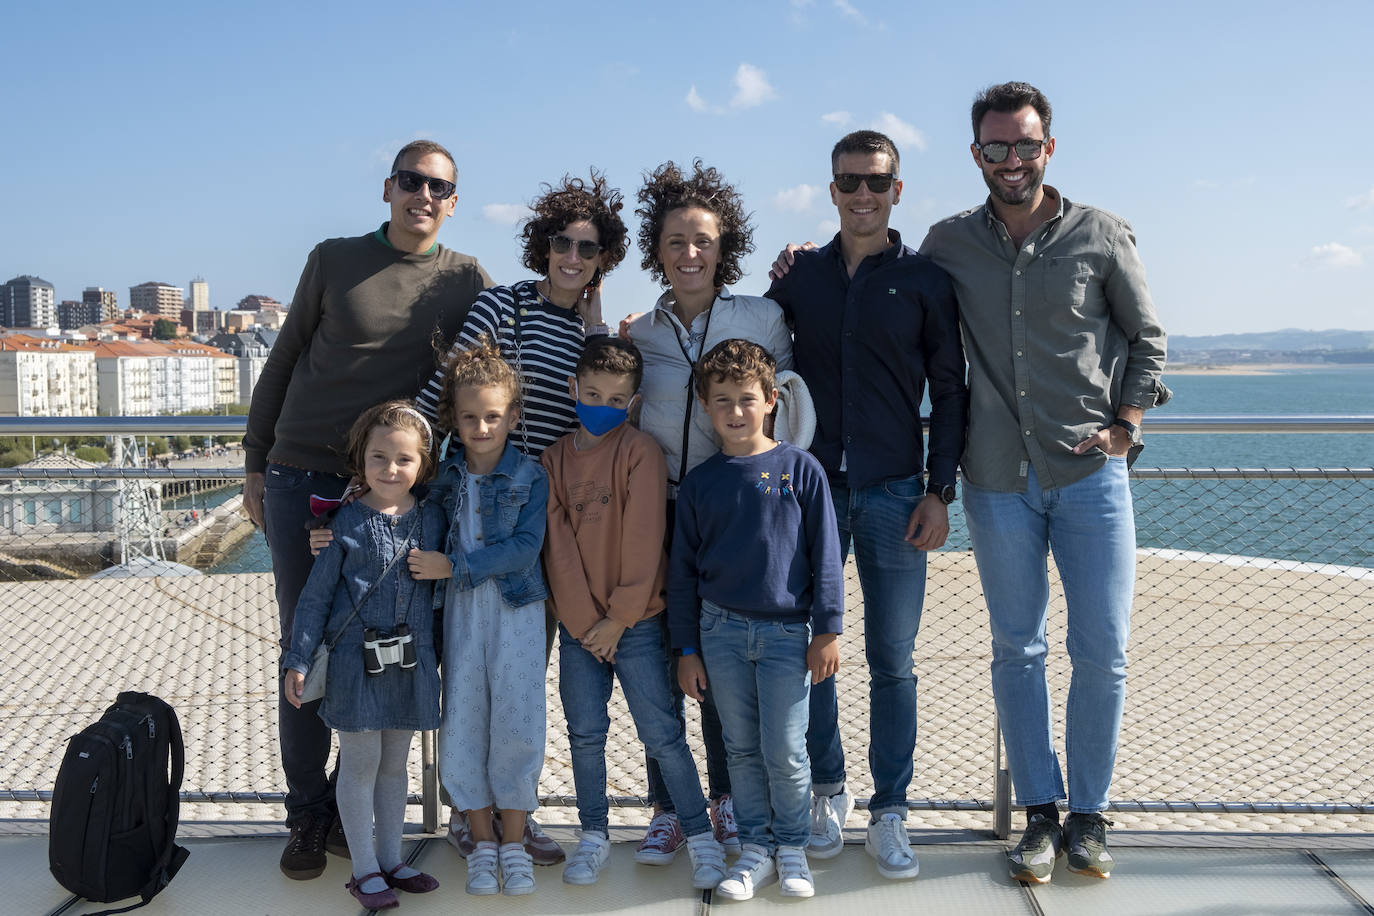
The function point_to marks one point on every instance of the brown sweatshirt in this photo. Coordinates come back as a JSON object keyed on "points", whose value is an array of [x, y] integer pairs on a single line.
{"points": [[361, 330], [603, 553]]}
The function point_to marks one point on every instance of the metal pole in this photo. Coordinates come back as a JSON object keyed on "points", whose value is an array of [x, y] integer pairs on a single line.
{"points": [[1001, 791], [429, 783]]}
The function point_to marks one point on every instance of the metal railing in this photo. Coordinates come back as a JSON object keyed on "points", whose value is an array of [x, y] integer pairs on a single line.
{"points": [[1249, 683]]}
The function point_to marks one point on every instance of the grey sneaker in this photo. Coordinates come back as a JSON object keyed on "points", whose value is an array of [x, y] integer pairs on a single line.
{"points": [[1085, 840], [1033, 858], [828, 814], [593, 852], [888, 843]]}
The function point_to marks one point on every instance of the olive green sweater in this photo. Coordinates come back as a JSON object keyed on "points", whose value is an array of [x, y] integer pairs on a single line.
{"points": [[363, 328]]}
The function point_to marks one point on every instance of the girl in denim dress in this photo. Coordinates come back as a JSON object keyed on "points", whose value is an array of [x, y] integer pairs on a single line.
{"points": [[374, 703], [491, 741]]}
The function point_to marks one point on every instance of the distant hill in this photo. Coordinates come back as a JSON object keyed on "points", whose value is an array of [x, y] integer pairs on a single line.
{"points": [[1287, 340]]}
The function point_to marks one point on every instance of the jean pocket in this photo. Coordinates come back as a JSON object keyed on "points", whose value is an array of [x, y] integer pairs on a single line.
{"points": [[911, 488], [710, 621], [797, 630], [281, 477]]}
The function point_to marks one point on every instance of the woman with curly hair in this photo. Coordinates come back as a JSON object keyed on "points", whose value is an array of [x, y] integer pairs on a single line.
{"points": [[573, 237], [693, 233]]}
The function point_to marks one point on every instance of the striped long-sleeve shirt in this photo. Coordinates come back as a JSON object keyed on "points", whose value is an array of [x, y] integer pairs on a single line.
{"points": [[542, 341]]}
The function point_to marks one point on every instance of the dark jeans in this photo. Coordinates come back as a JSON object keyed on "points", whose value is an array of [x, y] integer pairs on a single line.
{"points": [[303, 737], [717, 770]]}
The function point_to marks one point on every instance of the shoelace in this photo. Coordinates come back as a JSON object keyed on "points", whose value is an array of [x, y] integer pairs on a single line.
{"points": [[725, 812], [792, 864], [310, 838], [660, 831], [892, 838], [820, 817]]}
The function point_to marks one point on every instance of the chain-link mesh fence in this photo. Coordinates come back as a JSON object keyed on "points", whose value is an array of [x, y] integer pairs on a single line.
{"points": [[1249, 677]]}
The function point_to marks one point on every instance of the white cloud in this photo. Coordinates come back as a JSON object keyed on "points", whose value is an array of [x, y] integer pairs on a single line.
{"points": [[751, 87], [797, 200], [504, 214], [902, 133], [695, 101], [1361, 201], [826, 229], [1205, 184], [1334, 255], [847, 8], [838, 118]]}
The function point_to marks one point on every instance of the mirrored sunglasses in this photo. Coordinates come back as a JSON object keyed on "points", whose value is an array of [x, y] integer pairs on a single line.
{"points": [[586, 248], [995, 151]]}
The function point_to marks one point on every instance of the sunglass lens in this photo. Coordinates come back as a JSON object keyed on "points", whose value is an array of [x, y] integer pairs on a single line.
{"points": [[440, 189], [879, 183], [560, 244], [408, 181], [586, 249], [847, 184], [1027, 150], [995, 152]]}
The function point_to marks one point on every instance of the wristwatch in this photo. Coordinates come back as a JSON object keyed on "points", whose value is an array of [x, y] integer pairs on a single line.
{"points": [[946, 492], [1131, 429]]}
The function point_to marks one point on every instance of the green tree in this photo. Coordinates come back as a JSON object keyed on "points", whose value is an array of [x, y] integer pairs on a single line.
{"points": [[92, 453], [164, 329], [15, 456]]}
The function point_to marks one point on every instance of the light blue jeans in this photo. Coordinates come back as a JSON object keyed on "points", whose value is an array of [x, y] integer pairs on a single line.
{"points": [[892, 575], [584, 684], [1089, 526], [757, 671]]}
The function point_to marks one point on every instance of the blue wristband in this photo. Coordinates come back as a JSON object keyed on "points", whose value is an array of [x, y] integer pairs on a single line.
{"points": [[687, 650]]}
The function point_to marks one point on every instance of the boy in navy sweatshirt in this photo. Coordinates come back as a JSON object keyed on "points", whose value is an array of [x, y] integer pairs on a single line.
{"points": [[755, 601]]}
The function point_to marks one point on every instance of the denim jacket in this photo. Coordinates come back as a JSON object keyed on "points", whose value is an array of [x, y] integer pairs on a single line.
{"points": [[514, 499]]}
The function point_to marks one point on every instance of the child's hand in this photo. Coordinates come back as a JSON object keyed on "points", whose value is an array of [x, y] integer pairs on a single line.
{"points": [[822, 657], [319, 540], [691, 676], [602, 639], [292, 686], [428, 564]]}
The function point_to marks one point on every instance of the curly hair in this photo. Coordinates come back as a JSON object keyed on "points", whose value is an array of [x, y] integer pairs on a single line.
{"points": [[738, 360], [480, 366], [391, 415], [669, 188], [573, 200]]}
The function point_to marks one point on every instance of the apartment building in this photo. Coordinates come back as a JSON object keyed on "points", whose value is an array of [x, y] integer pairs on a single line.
{"points": [[45, 377]]}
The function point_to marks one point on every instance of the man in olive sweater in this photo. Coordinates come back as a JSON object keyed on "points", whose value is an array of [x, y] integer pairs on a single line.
{"points": [[361, 330]]}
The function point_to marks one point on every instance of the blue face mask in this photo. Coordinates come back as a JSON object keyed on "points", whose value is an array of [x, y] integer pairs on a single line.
{"points": [[599, 419]]}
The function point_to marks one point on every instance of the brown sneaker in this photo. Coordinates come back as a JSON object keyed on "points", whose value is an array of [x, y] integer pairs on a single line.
{"points": [[543, 849], [335, 843], [304, 857]]}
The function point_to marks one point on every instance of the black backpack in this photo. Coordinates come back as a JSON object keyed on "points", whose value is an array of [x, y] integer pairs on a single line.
{"points": [[112, 832]]}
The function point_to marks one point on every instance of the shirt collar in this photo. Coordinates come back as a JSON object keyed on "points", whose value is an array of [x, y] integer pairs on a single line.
{"points": [[663, 307], [380, 235], [992, 222], [893, 249]]}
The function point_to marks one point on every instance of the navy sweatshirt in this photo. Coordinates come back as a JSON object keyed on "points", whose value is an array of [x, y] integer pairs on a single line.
{"points": [[756, 535]]}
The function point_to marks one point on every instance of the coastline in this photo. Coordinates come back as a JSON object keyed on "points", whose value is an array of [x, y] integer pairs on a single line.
{"points": [[1237, 368]]}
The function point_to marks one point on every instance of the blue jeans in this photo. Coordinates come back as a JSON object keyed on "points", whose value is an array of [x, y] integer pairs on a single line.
{"points": [[303, 737], [584, 684], [892, 575], [1090, 528], [757, 671]]}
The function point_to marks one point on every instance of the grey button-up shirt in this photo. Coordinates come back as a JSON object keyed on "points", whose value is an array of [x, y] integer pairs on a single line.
{"points": [[1058, 335]]}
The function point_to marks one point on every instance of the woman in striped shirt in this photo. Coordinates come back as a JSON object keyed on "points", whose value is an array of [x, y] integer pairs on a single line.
{"points": [[573, 238]]}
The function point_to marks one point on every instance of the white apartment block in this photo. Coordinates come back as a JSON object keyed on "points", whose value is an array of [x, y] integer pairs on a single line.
{"points": [[42, 377], [145, 378]]}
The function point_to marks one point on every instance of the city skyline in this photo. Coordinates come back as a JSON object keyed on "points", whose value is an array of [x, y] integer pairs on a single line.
{"points": [[1220, 132]]}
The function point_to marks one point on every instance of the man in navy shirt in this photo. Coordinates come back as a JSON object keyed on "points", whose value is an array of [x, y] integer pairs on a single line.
{"points": [[875, 322]]}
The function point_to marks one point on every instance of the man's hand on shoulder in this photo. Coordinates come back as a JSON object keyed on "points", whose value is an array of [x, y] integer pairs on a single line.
{"points": [[929, 524], [786, 258]]}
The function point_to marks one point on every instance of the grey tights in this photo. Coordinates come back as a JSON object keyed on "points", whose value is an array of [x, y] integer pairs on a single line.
{"points": [[372, 791]]}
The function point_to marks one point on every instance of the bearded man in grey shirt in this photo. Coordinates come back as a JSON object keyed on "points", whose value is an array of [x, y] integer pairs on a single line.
{"points": [[1065, 355]]}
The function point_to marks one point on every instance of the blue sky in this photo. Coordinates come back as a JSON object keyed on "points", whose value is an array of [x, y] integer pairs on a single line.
{"points": [[152, 141]]}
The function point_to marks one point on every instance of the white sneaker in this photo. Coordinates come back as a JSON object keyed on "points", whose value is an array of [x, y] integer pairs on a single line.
{"points": [[888, 843], [794, 875], [593, 852], [752, 870], [517, 870], [828, 814], [708, 860], [482, 878]]}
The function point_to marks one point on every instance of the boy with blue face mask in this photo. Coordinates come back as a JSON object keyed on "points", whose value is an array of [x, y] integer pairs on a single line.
{"points": [[607, 571]]}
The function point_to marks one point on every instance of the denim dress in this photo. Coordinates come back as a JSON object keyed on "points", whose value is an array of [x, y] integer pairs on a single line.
{"points": [[364, 542]]}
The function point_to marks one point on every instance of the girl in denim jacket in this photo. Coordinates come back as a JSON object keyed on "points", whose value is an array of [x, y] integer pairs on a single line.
{"points": [[491, 740], [375, 701]]}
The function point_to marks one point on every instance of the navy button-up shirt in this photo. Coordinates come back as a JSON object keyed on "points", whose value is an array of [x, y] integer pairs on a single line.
{"points": [[866, 347]]}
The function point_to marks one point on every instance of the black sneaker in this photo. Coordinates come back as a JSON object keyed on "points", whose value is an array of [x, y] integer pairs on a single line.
{"points": [[1033, 858], [335, 843], [1085, 840], [304, 857]]}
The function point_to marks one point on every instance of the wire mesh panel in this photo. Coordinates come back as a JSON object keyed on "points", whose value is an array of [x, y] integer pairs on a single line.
{"points": [[1249, 678]]}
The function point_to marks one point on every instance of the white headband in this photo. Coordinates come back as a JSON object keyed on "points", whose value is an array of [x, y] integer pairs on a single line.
{"points": [[429, 432]]}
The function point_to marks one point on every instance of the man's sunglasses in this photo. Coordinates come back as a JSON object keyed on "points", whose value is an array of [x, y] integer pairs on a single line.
{"points": [[586, 248], [848, 183], [995, 151], [410, 182]]}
